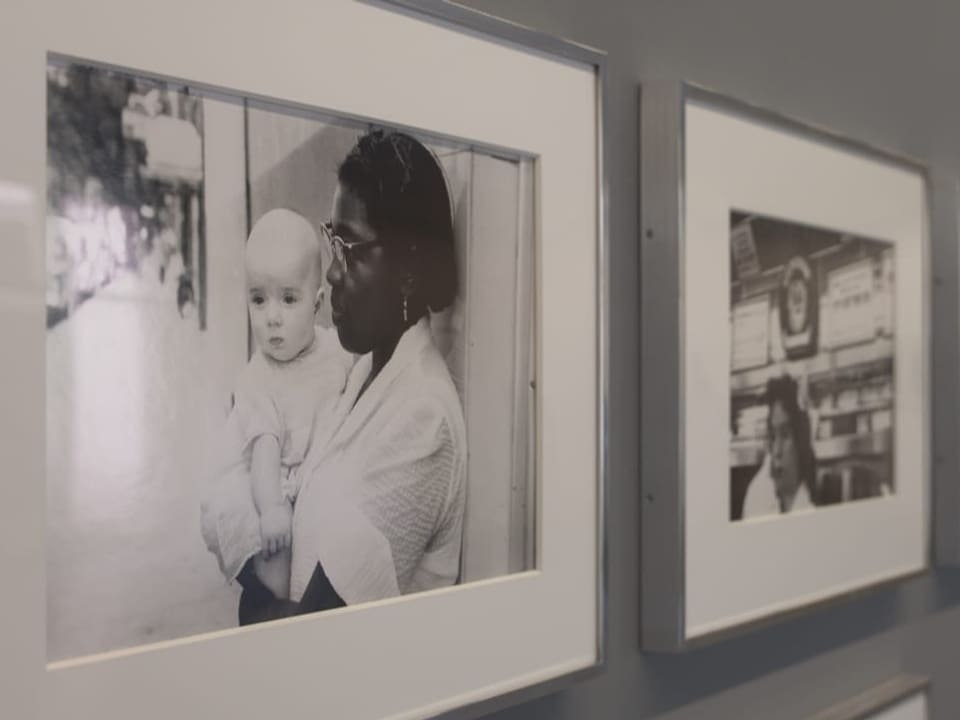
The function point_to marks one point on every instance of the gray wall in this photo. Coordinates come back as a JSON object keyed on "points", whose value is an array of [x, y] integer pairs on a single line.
{"points": [[884, 72]]}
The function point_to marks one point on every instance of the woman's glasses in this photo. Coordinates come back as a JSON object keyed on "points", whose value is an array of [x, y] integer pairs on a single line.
{"points": [[343, 249]]}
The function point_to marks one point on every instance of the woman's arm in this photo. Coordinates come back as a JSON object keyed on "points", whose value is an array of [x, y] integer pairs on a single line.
{"points": [[258, 604]]}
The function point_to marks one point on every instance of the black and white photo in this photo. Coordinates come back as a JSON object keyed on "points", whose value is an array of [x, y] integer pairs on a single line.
{"points": [[799, 368], [812, 367], [289, 361]]}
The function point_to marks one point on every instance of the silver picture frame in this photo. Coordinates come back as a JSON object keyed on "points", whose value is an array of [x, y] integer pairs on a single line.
{"points": [[945, 254], [662, 104]]}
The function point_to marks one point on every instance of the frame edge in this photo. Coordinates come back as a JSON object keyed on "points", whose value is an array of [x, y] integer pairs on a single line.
{"points": [[943, 200], [662, 597], [875, 699]]}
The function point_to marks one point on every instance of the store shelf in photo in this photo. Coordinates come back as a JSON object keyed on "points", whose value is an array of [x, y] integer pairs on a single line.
{"points": [[879, 405], [878, 442], [747, 453], [843, 358]]}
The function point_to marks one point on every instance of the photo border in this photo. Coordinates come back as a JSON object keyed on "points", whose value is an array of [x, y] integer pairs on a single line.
{"points": [[662, 137]]}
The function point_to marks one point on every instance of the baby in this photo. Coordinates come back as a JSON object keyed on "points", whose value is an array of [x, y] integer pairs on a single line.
{"points": [[284, 398]]}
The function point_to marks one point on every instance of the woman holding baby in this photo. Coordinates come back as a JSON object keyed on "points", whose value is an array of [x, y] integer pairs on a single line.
{"points": [[381, 490]]}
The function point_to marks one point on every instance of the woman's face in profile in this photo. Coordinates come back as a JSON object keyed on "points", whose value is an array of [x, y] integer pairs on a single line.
{"points": [[365, 297], [784, 465]]}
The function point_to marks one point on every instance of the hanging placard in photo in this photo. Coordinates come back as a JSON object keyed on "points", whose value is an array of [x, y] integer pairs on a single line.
{"points": [[799, 305]]}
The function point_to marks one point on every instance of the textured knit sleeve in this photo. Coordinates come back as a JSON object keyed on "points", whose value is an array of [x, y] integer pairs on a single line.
{"points": [[412, 490]]}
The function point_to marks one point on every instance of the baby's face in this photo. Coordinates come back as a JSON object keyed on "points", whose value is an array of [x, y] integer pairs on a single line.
{"points": [[283, 280]]}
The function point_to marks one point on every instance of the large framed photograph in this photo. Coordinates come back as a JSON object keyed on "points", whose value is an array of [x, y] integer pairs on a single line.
{"points": [[302, 394], [786, 436]]}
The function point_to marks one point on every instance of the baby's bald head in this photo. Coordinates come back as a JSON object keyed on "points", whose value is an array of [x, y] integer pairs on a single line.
{"points": [[284, 246], [284, 278]]}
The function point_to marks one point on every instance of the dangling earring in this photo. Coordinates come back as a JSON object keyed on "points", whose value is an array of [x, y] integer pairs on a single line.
{"points": [[404, 309]]}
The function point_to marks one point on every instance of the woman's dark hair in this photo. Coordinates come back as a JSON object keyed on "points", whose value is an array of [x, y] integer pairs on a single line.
{"points": [[402, 186], [783, 391]]}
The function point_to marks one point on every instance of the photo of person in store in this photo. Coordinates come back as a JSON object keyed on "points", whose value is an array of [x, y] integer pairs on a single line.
{"points": [[811, 369]]}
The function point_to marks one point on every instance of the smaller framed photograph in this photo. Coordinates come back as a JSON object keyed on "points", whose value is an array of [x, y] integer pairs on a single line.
{"points": [[786, 411], [901, 698]]}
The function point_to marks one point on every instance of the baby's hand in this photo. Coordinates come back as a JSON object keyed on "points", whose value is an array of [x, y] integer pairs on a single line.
{"points": [[275, 528]]}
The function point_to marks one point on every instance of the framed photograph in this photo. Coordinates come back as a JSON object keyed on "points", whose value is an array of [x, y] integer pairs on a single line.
{"points": [[305, 377], [901, 698], [786, 410]]}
